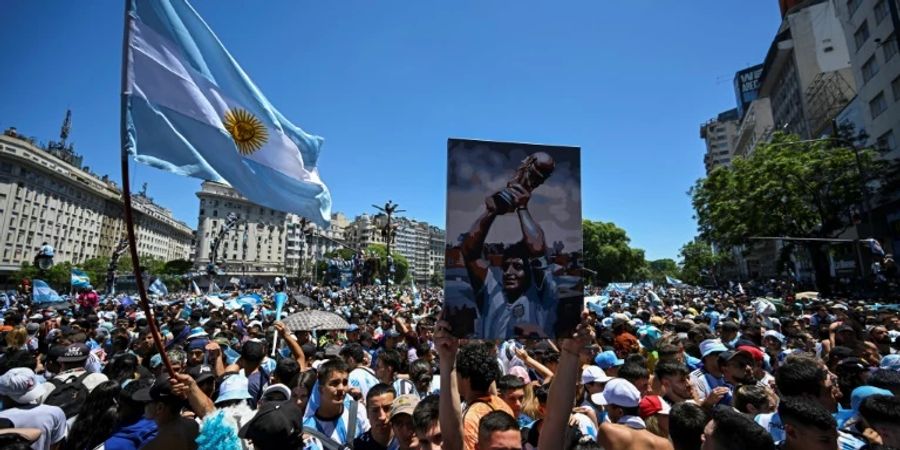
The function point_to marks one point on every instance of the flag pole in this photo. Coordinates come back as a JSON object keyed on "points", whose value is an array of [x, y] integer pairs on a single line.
{"points": [[126, 194]]}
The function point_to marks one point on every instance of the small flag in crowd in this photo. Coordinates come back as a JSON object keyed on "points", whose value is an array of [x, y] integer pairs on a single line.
{"points": [[41, 292], [417, 299], [196, 288], [80, 279], [158, 287], [190, 109], [673, 281]]}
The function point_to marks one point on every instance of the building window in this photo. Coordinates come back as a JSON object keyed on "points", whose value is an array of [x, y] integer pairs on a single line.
{"points": [[877, 105], [869, 69], [886, 141], [890, 47], [861, 35], [895, 86], [881, 11]]}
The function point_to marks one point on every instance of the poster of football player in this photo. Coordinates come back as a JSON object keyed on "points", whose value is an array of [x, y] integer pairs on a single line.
{"points": [[514, 240]]}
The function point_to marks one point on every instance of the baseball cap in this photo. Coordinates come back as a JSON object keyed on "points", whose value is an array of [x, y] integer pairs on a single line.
{"points": [[276, 390], [756, 353], [711, 346], [32, 328], [392, 333], [652, 405], [619, 392], [404, 404], [891, 362], [21, 385], [75, 353], [594, 374], [234, 387], [863, 392], [275, 425], [608, 359], [160, 391], [732, 354], [201, 373], [776, 335], [353, 327]]}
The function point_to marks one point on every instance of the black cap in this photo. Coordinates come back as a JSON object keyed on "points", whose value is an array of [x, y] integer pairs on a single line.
{"points": [[160, 391], [201, 373], [131, 388], [75, 353], [275, 425]]}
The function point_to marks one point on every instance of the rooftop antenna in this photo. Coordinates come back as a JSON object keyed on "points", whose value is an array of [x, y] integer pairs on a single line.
{"points": [[66, 128]]}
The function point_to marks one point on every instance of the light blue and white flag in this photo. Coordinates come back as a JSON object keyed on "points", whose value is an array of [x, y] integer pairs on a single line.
{"points": [[41, 292], [673, 281], [191, 110], [80, 279], [417, 299], [158, 287]]}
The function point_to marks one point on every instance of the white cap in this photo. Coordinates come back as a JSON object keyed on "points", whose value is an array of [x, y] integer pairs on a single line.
{"points": [[594, 374], [619, 392]]}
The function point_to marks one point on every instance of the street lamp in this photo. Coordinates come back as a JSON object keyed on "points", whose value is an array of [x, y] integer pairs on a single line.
{"points": [[388, 233]]}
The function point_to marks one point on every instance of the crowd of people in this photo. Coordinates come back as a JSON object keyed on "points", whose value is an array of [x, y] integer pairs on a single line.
{"points": [[646, 369]]}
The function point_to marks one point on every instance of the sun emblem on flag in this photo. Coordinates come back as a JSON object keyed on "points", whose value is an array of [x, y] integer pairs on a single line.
{"points": [[248, 132]]}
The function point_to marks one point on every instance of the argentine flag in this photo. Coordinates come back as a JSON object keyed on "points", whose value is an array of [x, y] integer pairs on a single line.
{"points": [[80, 279], [191, 110], [159, 288], [41, 292]]}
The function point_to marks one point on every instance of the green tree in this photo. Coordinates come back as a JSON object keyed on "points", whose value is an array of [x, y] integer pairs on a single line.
{"points": [[178, 267], [607, 253], [785, 188], [437, 279], [95, 268], [699, 264], [400, 263], [344, 253], [660, 268]]}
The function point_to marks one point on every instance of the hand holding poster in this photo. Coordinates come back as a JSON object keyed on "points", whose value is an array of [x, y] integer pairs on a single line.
{"points": [[514, 242]]}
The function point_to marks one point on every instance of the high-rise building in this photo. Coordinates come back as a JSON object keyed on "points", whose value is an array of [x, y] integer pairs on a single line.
{"points": [[254, 248], [420, 243], [806, 74], [719, 134], [873, 46], [47, 196], [308, 245]]}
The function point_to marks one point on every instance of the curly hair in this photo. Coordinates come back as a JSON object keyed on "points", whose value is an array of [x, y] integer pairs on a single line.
{"points": [[475, 364]]}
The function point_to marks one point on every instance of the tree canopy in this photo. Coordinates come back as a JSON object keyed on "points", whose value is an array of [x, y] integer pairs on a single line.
{"points": [[786, 187], [607, 253]]}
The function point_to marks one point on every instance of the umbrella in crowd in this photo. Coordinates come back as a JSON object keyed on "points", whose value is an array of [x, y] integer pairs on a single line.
{"points": [[315, 321]]}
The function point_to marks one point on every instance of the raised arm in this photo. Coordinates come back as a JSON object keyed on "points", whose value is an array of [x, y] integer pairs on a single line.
{"points": [[473, 248], [292, 344], [562, 389], [450, 417]]}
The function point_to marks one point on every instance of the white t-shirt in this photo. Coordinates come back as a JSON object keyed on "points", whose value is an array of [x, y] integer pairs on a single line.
{"points": [[49, 419], [499, 317]]}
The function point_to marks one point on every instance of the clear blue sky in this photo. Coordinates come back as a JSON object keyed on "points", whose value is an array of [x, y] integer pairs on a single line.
{"points": [[387, 82]]}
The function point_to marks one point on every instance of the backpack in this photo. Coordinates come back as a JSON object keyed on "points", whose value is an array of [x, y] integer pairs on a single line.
{"points": [[69, 395]]}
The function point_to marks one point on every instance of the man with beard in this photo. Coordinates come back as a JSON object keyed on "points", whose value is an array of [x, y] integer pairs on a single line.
{"points": [[672, 382], [879, 336]]}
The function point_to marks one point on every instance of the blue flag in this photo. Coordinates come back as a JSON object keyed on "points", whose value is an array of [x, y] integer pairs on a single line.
{"points": [[191, 110], [159, 288], [80, 279], [41, 292], [673, 281]]}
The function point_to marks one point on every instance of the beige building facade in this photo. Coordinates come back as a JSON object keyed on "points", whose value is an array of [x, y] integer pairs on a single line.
{"points": [[46, 196]]}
